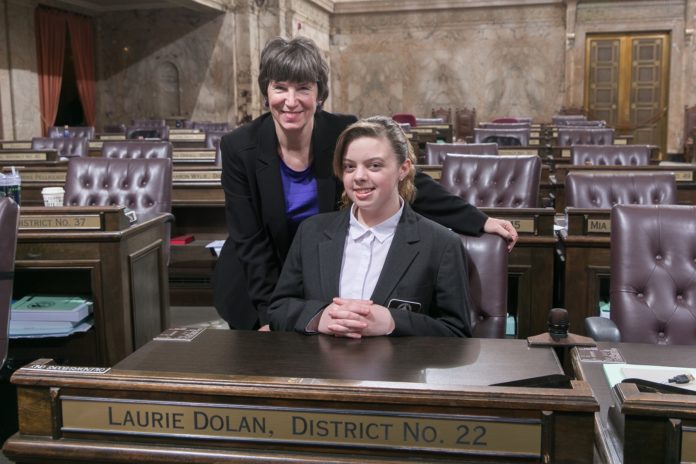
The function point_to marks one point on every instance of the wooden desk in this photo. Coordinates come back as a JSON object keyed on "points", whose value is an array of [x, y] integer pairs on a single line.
{"points": [[121, 268], [634, 427], [585, 261], [685, 176], [307, 399]]}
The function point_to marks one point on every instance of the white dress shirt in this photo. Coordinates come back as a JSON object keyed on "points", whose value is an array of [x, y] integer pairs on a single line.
{"points": [[364, 255]]}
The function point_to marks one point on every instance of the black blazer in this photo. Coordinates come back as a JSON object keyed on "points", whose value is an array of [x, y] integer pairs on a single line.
{"points": [[252, 257], [426, 264]]}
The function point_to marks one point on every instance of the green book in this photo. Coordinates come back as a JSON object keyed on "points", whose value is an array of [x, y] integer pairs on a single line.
{"points": [[50, 308]]}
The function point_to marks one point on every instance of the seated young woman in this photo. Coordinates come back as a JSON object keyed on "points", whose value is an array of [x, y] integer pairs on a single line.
{"points": [[376, 267]]}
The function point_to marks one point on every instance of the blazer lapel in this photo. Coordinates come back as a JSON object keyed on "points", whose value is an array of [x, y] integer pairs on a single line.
{"points": [[331, 254], [271, 186], [322, 152], [404, 248]]}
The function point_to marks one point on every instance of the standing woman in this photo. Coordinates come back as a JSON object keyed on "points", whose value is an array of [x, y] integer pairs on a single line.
{"points": [[277, 171]]}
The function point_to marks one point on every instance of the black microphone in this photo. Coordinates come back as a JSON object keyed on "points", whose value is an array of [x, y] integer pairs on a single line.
{"points": [[558, 323]]}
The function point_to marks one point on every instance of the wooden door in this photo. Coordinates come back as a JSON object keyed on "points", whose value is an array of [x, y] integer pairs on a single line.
{"points": [[626, 84]]}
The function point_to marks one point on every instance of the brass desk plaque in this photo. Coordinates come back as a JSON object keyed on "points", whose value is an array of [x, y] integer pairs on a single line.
{"points": [[620, 142], [195, 137], [523, 225], [60, 222], [112, 137], [197, 176], [96, 143], [44, 176], [597, 226], [194, 155], [67, 369], [534, 141], [513, 151], [565, 153], [358, 428], [16, 145], [182, 130], [688, 448], [24, 156], [534, 135], [684, 176]]}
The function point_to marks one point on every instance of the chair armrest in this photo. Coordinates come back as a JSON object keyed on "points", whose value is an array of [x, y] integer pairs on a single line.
{"points": [[602, 329]]}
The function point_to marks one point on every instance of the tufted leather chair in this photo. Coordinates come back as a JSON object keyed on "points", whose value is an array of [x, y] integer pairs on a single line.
{"points": [[435, 153], [464, 123], [9, 222], [503, 136], [488, 269], [145, 132], [211, 126], [148, 123], [653, 278], [86, 132], [68, 147], [405, 118], [443, 113], [493, 181], [115, 129], [600, 190], [610, 155], [136, 149], [562, 119], [568, 136]]}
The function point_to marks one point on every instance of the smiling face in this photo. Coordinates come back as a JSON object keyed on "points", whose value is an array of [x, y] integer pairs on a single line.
{"points": [[293, 104], [371, 175]]}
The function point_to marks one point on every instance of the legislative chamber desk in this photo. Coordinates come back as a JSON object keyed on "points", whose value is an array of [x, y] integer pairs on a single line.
{"points": [[93, 252], [636, 427], [248, 396]]}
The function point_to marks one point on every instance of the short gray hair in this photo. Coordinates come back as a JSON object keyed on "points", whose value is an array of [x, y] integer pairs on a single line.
{"points": [[295, 60]]}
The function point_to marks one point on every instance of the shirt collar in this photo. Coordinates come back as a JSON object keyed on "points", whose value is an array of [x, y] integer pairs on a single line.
{"points": [[381, 231]]}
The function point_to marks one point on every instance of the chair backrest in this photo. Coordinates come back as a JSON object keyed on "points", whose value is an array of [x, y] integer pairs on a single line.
{"points": [[488, 284], [584, 123], [136, 149], [206, 126], [145, 123], [405, 118], [212, 140], [443, 113], [464, 121], [599, 190], [68, 147], [562, 119], [429, 121], [506, 120], [493, 181], [9, 222], [143, 185], [653, 278], [505, 125], [86, 132], [502, 136], [610, 155], [568, 136], [114, 129], [435, 153], [144, 132]]}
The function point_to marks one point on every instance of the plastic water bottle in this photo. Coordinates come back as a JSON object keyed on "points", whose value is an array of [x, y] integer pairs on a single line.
{"points": [[13, 185], [66, 131]]}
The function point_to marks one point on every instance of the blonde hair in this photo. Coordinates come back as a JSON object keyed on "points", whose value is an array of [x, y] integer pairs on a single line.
{"points": [[385, 128]]}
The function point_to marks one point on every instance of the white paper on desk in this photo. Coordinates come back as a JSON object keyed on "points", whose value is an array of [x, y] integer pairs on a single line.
{"points": [[81, 327], [216, 246], [616, 373]]}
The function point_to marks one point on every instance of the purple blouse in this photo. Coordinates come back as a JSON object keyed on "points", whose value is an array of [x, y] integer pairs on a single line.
{"points": [[301, 196]]}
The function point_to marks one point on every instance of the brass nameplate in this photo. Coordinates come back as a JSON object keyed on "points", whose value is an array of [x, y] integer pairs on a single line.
{"points": [[112, 137], [620, 142], [44, 176], [16, 145], [183, 131], [196, 176], [534, 141], [96, 143], [67, 369], [365, 429], [525, 226], [565, 153], [534, 135], [688, 448], [19, 156], [194, 155], [517, 151], [60, 222], [684, 176], [597, 226], [187, 137]]}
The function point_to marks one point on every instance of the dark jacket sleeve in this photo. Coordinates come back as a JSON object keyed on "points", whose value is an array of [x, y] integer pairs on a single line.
{"points": [[451, 211]]}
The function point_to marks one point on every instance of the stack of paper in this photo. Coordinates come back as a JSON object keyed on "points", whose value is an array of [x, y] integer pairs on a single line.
{"points": [[50, 316]]}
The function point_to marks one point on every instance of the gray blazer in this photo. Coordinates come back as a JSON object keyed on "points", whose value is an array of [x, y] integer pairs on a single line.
{"points": [[426, 264]]}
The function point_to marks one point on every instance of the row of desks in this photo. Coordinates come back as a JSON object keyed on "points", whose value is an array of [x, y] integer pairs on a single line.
{"points": [[388, 399]]}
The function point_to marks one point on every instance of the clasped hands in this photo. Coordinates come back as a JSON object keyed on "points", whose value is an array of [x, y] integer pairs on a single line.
{"points": [[355, 319]]}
